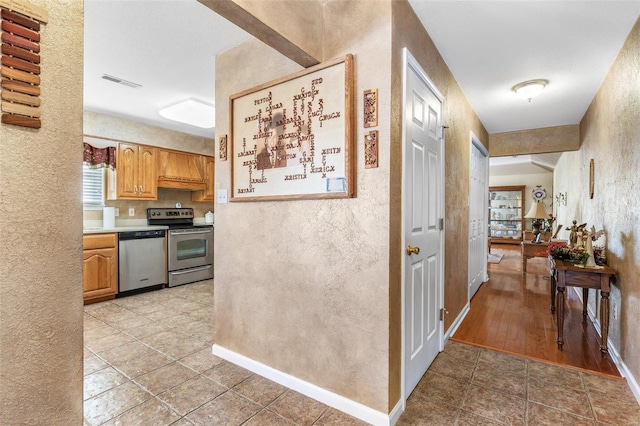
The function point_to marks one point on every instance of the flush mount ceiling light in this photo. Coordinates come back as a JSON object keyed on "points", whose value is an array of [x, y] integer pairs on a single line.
{"points": [[191, 111], [530, 89]]}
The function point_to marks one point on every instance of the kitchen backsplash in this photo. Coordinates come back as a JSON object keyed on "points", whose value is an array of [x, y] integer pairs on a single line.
{"points": [[166, 198]]}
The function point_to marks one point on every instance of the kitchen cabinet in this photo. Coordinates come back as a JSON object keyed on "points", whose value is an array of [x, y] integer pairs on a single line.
{"points": [[180, 170], [135, 177], [99, 267], [209, 173], [506, 217]]}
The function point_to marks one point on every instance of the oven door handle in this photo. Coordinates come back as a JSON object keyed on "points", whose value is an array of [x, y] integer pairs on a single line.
{"points": [[202, 268], [190, 232]]}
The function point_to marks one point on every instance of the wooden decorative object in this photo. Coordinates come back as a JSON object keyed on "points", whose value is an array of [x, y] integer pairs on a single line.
{"points": [[292, 138], [591, 178], [371, 149], [371, 108], [223, 148], [21, 62]]}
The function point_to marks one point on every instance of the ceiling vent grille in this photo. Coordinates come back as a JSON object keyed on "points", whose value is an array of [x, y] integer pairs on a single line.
{"points": [[121, 81]]}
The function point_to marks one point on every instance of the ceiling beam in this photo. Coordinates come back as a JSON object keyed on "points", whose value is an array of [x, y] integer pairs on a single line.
{"points": [[289, 27]]}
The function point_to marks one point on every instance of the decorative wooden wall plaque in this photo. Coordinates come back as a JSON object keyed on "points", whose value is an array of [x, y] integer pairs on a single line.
{"points": [[292, 138], [223, 148], [21, 62], [371, 108], [371, 149]]}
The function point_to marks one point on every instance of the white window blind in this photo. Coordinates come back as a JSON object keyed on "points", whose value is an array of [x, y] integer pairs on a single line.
{"points": [[92, 188]]}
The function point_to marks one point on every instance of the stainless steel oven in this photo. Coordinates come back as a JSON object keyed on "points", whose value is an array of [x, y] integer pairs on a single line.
{"points": [[189, 246], [190, 255]]}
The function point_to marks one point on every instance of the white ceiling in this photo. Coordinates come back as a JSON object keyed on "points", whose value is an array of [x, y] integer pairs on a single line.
{"points": [[169, 47], [490, 46]]}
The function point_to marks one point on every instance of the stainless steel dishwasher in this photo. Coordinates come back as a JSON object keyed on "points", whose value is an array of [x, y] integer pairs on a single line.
{"points": [[142, 259]]}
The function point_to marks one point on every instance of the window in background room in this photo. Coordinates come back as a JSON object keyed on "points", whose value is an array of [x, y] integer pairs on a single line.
{"points": [[92, 188]]}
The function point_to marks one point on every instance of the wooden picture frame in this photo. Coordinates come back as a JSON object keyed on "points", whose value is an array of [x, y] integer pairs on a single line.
{"points": [[292, 138]]}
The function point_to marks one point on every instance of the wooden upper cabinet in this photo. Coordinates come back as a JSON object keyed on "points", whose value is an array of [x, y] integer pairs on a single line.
{"points": [[148, 176], [181, 170], [135, 177], [208, 193]]}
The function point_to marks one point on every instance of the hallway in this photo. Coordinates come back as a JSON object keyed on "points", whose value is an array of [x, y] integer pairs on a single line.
{"points": [[510, 313]]}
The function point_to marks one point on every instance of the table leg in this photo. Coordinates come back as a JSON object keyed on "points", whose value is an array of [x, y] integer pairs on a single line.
{"points": [[552, 279], [585, 298], [560, 317], [604, 321], [524, 263]]}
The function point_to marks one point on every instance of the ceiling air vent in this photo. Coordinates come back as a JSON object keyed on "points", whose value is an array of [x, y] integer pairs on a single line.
{"points": [[121, 81]]}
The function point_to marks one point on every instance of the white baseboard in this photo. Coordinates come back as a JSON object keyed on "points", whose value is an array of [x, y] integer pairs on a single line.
{"points": [[331, 399], [624, 370], [396, 412], [457, 322], [613, 351]]}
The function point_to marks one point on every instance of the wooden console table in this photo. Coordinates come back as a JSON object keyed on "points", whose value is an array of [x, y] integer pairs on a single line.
{"points": [[530, 249], [567, 274]]}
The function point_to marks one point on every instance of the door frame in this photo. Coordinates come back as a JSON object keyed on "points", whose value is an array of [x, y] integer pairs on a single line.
{"points": [[475, 141], [408, 60]]}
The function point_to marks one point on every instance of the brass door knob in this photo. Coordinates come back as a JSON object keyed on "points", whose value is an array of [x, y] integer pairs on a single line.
{"points": [[412, 250]]}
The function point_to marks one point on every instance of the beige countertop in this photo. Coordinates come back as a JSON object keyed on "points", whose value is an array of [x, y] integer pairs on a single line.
{"points": [[101, 230]]}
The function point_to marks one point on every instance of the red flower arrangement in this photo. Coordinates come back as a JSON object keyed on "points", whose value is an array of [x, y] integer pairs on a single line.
{"points": [[561, 251]]}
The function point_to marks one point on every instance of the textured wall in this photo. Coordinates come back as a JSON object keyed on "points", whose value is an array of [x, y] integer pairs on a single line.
{"points": [[41, 239], [461, 119], [610, 134], [106, 126], [302, 286], [535, 141]]}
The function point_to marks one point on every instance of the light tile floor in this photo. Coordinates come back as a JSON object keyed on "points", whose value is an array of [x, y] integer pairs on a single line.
{"points": [[148, 362]]}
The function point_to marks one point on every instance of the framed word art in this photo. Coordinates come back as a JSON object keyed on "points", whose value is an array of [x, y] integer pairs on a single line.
{"points": [[292, 138]]}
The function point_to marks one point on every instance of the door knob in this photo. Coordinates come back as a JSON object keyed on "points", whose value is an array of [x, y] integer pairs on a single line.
{"points": [[412, 250]]}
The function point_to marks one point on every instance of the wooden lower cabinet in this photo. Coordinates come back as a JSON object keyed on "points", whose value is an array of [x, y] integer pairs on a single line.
{"points": [[99, 267]]}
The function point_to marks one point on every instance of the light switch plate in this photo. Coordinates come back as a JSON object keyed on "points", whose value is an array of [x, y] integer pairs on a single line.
{"points": [[132, 211], [222, 196]]}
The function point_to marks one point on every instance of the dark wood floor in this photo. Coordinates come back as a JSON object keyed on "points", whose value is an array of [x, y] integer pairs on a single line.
{"points": [[510, 313]]}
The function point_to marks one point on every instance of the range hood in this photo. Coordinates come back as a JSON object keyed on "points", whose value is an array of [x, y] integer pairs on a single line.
{"points": [[181, 170]]}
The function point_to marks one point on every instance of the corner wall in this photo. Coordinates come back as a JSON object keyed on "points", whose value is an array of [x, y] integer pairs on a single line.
{"points": [[610, 134], [302, 286], [41, 239]]}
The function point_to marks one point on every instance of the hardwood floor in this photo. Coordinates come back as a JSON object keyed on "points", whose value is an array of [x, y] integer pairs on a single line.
{"points": [[510, 313]]}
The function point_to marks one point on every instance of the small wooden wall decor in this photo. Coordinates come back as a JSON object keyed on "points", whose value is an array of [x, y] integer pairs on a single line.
{"points": [[591, 178], [371, 108], [21, 62], [371, 149], [292, 138], [223, 148]]}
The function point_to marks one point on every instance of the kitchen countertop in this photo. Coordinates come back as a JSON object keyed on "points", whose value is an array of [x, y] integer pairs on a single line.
{"points": [[101, 230]]}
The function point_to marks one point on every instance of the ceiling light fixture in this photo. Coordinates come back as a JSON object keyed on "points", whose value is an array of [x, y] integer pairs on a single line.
{"points": [[530, 89], [191, 111]]}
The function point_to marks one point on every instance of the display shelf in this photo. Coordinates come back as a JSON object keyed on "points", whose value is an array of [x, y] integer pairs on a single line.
{"points": [[506, 215]]}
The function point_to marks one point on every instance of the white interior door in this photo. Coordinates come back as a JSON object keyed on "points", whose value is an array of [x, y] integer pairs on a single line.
{"points": [[478, 193], [422, 210]]}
